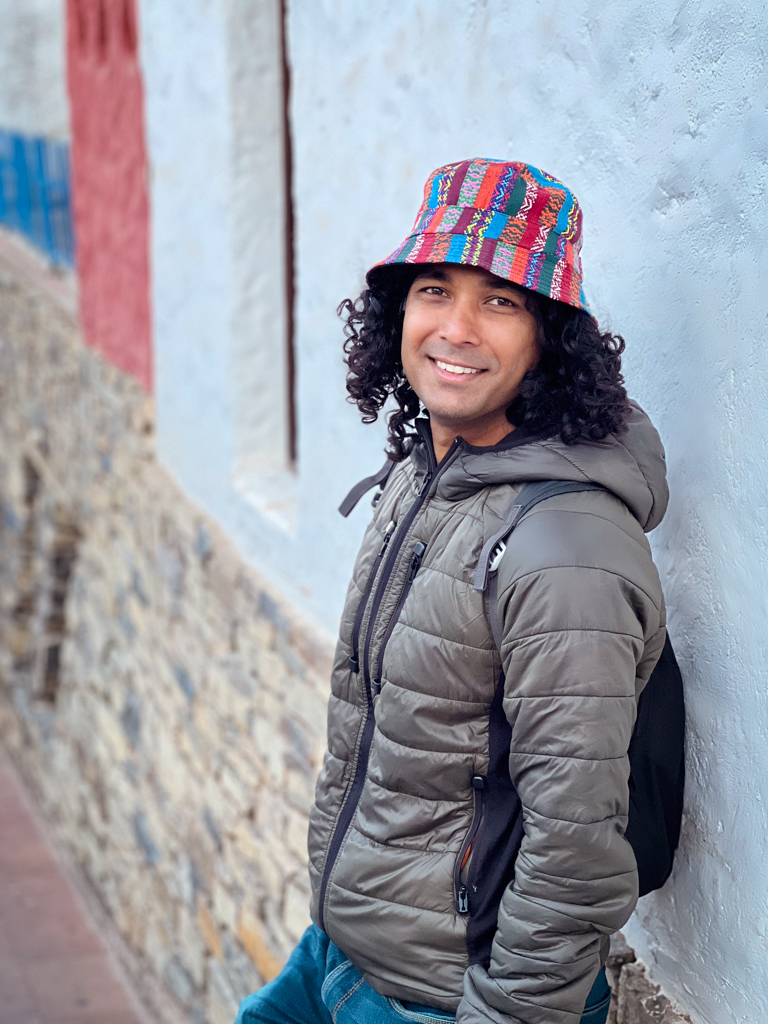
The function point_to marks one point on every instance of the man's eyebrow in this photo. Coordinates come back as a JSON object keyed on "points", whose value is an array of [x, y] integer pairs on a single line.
{"points": [[438, 273]]}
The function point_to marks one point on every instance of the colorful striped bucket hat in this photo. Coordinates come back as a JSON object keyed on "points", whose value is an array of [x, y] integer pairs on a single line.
{"points": [[509, 218]]}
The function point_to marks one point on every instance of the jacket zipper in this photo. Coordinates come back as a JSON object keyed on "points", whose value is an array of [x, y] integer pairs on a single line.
{"points": [[361, 769], [421, 496], [354, 658], [461, 890], [416, 557]]}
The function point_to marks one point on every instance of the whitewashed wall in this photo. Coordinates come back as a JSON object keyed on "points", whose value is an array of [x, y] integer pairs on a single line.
{"points": [[655, 114], [33, 97], [214, 116]]}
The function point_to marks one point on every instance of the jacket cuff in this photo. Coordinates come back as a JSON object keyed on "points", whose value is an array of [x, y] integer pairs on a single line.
{"points": [[483, 995]]}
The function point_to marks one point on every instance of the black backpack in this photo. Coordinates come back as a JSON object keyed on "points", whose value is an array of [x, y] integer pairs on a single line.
{"points": [[656, 750]]}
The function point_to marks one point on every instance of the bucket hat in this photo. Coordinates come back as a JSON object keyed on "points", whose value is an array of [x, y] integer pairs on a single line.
{"points": [[510, 218]]}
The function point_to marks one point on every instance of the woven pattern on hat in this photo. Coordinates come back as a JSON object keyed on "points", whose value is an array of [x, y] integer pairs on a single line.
{"points": [[509, 218]]}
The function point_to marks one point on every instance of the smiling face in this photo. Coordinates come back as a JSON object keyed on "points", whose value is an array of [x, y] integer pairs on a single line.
{"points": [[468, 340]]}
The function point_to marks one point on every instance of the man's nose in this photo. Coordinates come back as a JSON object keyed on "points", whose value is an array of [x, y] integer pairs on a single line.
{"points": [[459, 325]]}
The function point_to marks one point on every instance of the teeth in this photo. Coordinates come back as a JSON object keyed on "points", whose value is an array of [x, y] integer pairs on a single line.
{"points": [[451, 368]]}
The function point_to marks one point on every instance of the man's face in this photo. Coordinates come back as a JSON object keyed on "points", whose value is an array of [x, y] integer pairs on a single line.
{"points": [[468, 340]]}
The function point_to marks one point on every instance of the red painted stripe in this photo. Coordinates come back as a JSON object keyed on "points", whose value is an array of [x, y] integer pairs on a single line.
{"points": [[109, 185]]}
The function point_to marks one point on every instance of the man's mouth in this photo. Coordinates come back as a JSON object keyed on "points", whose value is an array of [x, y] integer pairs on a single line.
{"points": [[455, 369]]}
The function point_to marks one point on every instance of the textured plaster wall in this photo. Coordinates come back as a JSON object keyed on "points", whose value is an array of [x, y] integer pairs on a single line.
{"points": [[32, 76], [109, 181], [214, 127], [655, 115]]}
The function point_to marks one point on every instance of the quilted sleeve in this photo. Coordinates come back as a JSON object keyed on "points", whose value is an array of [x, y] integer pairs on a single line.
{"points": [[581, 635]]}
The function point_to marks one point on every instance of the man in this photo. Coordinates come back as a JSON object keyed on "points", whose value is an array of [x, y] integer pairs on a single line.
{"points": [[467, 847]]}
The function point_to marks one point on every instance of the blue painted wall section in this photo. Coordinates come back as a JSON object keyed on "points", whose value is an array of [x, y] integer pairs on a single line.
{"points": [[35, 196]]}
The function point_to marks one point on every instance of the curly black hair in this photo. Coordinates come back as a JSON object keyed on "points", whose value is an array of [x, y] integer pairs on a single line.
{"points": [[576, 388]]}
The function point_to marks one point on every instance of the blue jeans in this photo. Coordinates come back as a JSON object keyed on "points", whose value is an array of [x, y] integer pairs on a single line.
{"points": [[320, 985]]}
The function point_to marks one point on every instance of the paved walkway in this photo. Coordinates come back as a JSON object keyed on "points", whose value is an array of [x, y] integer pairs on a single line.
{"points": [[53, 967]]}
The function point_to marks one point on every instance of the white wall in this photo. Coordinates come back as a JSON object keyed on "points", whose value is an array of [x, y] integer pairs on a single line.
{"points": [[655, 114], [214, 117], [33, 96]]}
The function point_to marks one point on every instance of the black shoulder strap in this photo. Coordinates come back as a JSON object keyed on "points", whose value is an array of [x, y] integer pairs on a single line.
{"points": [[490, 557], [365, 485]]}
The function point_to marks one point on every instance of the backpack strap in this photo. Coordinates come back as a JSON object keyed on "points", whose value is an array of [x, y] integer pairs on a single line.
{"points": [[486, 574], [365, 485]]}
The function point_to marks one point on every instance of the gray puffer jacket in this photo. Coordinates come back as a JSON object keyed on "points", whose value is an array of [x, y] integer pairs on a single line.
{"points": [[442, 755]]}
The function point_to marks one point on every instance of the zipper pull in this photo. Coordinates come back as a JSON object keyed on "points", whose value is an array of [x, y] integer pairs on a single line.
{"points": [[387, 536], [462, 902], [425, 483], [418, 554], [354, 662]]}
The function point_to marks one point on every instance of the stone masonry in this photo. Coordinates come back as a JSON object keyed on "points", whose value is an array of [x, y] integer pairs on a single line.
{"points": [[164, 705], [634, 999], [166, 708]]}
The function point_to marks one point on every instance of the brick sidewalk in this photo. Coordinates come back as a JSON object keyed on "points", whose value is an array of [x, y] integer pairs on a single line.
{"points": [[53, 967]]}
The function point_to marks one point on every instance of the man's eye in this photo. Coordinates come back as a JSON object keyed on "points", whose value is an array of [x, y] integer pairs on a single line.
{"points": [[502, 301], [433, 289]]}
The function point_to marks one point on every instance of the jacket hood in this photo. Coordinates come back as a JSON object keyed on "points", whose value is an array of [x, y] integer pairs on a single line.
{"points": [[631, 465]]}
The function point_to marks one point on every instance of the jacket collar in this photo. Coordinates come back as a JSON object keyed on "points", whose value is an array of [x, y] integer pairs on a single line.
{"points": [[631, 465]]}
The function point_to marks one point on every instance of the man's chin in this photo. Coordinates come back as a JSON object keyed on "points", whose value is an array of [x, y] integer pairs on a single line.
{"points": [[452, 419]]}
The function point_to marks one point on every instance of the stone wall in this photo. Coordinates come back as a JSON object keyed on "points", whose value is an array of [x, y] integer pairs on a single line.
{"points": [[634, 998], [166, 708]]}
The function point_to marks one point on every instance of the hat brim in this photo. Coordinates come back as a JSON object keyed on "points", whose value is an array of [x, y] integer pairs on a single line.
{"points": [[537, 271]]}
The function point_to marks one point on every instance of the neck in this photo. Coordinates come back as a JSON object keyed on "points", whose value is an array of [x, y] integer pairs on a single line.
{"points": [[478, 434]]}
